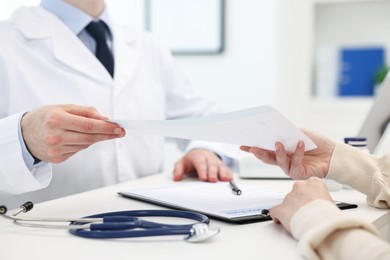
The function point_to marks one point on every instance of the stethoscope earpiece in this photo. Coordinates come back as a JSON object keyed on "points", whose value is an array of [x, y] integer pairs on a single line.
{"points": [[3, 210], [25, 207]]}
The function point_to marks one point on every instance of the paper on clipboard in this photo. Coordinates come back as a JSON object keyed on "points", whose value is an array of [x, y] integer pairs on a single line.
{"points": [[213, 199], [216, 200], [259, 126]]}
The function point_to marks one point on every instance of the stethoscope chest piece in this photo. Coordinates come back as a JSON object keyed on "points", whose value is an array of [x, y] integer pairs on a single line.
{"points": [[201, 232]]}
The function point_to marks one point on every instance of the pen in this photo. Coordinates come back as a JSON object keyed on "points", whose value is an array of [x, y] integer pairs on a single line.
{"points": [[235, 188]]}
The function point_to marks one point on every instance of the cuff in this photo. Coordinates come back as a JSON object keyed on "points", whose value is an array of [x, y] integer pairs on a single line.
{"points": [[15, 177], [319, 219], [349, 162], [364, 172], [27, 156]]}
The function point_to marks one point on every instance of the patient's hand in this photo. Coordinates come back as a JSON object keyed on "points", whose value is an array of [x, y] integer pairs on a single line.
{"points": [[300, 164]]}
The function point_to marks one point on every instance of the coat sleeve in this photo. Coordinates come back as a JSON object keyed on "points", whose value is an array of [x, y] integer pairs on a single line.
{"points": [[325, 232], [366, 173], [15, 177]]}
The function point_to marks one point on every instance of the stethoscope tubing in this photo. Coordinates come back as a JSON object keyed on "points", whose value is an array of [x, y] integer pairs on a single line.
{"points": [[131, 234], [125, 224], [121, 224]]}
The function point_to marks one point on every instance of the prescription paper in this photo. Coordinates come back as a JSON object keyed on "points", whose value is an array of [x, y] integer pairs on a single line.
{"points": [[260, 126]]}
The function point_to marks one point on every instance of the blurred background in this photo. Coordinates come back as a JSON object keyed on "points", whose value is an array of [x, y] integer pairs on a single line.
{"points": [[319, 62]]}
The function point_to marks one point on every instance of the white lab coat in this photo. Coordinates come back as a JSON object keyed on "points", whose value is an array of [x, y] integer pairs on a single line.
{"points": [[42, 62]]}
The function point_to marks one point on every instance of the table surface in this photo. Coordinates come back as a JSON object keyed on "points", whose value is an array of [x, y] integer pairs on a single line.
{"points": [[256, 240]]}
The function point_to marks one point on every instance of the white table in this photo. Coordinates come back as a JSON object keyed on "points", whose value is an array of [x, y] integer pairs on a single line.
{"points": [[262, 240]]}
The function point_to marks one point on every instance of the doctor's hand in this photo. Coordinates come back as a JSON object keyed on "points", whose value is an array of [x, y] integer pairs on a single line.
{"points": [[206, 164], [302, 193], [55, 133], [300, 164]]}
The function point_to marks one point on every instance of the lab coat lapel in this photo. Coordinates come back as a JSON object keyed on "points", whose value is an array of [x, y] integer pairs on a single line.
{"points": [[69, 50], [66, 47], [126, 58]]}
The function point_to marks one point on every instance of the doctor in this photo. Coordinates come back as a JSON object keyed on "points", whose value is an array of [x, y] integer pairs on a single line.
{"points": [[47, 56]]}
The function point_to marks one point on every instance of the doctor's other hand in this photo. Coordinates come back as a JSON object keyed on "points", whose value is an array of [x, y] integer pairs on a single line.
{"points": [[206, 164], [55, 133], [303, 192], [299, 164]]}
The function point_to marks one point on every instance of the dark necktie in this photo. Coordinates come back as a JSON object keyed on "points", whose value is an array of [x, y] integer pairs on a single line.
{"points": [[98, 31]]}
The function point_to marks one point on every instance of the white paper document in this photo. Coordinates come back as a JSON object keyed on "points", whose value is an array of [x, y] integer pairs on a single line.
{"points": [[213, 199], [259, 126]]}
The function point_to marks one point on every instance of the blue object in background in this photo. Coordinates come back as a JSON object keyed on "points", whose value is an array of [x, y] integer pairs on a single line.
{"points": [[358, 67]]}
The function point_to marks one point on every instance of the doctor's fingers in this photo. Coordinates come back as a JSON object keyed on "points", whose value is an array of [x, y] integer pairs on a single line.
{"points": [[206, 171], [212, 169], [224, 173], [206, 164], [83, 111], [178, 171], [76, 138], [192, 161], [212, 172], [217, 170], [86, 125], [199, 163]]}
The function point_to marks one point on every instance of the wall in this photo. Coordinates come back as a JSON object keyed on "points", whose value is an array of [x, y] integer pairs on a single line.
{"points": [[244, 75], [297, 30], [364, 23]]}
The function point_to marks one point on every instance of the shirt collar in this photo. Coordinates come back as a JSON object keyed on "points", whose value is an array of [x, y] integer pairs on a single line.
{"points": [[75, 19]]}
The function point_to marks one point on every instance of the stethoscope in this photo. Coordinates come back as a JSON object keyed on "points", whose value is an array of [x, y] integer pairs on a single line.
{"points": [[122, 224]]}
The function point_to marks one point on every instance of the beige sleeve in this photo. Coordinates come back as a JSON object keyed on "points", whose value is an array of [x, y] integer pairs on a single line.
{"points": [[339, 236], [366, 173]]}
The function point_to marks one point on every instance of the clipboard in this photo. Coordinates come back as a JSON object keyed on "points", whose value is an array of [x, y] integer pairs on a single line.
{"points": [[216, 200]]}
